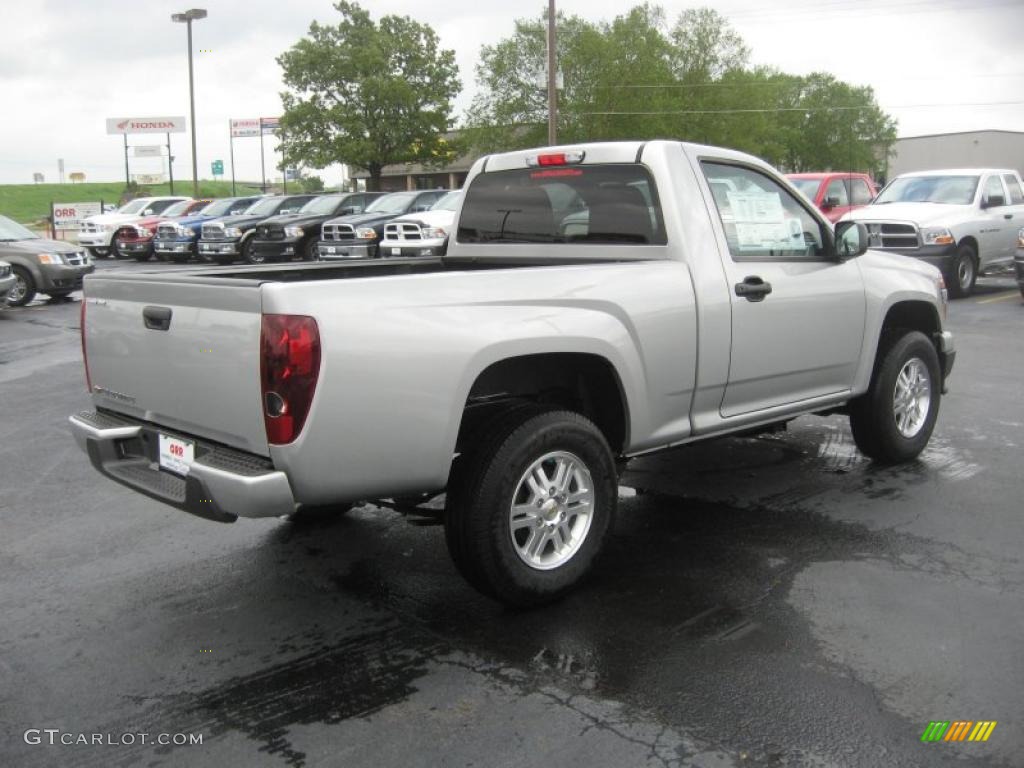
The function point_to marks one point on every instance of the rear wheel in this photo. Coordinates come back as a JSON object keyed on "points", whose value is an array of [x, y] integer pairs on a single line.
{"points": [[24, 288], [893, 421], [529, 506], [964, 272]]}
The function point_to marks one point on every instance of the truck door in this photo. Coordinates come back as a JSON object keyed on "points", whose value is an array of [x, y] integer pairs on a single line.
{"points": [[797, 311], [997, 233]]}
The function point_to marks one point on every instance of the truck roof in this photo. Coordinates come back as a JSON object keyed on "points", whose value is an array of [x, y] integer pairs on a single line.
{"points": [[603, 152], [957, 172], [828, 175]]}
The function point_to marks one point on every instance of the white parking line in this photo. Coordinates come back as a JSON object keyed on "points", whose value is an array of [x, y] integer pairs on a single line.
{"points": [[1000, 297]]}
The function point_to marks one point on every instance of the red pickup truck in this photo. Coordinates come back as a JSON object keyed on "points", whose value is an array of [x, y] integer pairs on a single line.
{"points": [[136, 240], [835, 193]]}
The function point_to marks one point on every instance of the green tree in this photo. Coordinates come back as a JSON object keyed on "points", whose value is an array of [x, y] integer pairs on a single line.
{"points": [[367, 94], [311, 184], [638, 78]]}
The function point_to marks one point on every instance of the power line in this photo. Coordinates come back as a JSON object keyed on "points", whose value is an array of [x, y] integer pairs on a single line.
{"points": [[720, 84], [799, 109]]}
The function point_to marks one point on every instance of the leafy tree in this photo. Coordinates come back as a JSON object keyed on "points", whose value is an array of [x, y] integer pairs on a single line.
{"points": [[311, 184], [367, 94], [638, 78]]}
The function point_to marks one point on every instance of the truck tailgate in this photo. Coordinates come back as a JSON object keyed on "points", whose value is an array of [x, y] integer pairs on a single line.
{"points": [[183, 356]]}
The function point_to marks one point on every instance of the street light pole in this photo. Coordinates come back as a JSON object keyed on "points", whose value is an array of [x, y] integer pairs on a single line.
{"points": [[552, 78], [188, 17]]}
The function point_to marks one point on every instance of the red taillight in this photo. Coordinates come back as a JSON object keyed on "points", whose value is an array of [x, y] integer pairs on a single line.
{"points": [[289, 367], [85, 354], [556, 158]]}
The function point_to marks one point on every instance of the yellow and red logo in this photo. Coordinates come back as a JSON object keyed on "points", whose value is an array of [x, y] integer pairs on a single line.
{"points": [[958, 730]]}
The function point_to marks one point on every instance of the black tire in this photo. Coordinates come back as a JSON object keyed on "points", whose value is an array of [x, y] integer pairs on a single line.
{"points": [[319, 515], [115, 249], [963, 274], [24, 289], [143, 257], [250, 254], [310, 251], [58, 295], [488, 480], [873, 416]]}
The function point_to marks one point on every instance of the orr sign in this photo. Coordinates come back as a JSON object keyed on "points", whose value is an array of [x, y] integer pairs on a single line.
{"points": [[126, 125]]}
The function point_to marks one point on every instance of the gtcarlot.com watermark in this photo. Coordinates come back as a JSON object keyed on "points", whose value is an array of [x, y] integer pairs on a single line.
{"points": [[56, 737]]}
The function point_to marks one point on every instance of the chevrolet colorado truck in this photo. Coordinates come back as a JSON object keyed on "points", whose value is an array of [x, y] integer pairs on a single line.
{"points": [[283, 238], [230, 237], [358, 235], [176, 240], [421, 234], [836, 194], [964, 222], [97, 232], [521, 370]]}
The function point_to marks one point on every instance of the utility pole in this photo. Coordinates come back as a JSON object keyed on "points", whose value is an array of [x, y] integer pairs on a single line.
{"points": [[552, 77], [187, 18]]}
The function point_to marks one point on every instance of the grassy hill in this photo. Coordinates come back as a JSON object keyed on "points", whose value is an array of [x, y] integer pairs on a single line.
{"points": [[31, 202]]}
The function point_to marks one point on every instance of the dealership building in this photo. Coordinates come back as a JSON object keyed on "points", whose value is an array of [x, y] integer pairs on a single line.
{"points": [[970, 149]]}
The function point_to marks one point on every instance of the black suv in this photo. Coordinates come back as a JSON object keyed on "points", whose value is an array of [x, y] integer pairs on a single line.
{"points": [[231, 237], [296, 234]]}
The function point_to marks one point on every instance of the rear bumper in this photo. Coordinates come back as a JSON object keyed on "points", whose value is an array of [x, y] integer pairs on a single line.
{"points": [[222, 484]]}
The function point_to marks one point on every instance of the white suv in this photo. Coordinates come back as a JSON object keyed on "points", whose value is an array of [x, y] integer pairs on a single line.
{"points": [[96, 232]]}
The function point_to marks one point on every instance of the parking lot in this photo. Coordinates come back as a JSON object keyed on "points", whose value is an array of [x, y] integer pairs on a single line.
{"points": [[768, 601]]}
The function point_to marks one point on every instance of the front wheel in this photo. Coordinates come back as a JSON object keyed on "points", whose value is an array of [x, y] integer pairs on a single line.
{"points": [[893, 421], [311, 252], [250, 255], [24, 289], [964, 273], [529, 506]]}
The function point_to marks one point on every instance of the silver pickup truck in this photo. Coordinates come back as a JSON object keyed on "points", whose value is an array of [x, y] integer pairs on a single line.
{"points": [[596, 302]]}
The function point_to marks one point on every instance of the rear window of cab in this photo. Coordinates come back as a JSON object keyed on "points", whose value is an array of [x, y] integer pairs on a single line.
{"points": [[606, 204]]}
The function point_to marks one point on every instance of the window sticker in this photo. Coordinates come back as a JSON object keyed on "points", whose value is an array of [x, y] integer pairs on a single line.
{"points": [[761, 222]]}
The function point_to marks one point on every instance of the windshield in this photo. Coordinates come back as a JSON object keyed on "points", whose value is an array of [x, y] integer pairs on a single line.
{"points": [[222, 207], [951, 190], [322, 204], [12, 230], [178, 209], [265, 207], [396, 202], [807, 187], [133, 207], [449, 202]]}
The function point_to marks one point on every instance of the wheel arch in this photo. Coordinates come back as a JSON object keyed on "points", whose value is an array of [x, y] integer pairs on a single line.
{"points": [[585, 382], [973, 242]]}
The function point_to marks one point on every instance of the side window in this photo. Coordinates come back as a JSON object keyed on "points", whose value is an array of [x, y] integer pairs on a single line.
{"points": [[836, 194], [356, 202], [993, 189], [1016, 196], [424, 202], [761, 219], [860, 192]]}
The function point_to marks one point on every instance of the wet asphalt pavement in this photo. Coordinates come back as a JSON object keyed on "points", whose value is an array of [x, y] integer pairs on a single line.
{"points": [[770, 601]]}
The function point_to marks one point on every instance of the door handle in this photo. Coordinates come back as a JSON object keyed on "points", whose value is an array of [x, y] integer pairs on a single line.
{"points": [[157, 318], [753, 288], [1007, 215]]}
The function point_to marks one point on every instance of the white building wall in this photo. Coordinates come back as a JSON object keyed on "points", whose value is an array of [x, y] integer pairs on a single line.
{"points": [[976, 149]]}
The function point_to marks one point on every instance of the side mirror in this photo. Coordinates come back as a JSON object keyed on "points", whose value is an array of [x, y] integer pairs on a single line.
{"points": [[993, 201], [851, 239], [830, 202]]}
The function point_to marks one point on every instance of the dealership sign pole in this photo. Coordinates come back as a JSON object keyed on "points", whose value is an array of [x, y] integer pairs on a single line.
{"points": [[239, 128], [126, 125]]}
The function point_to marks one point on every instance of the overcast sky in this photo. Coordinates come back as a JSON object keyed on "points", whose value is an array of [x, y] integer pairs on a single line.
{"points": [[66, 65]]}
